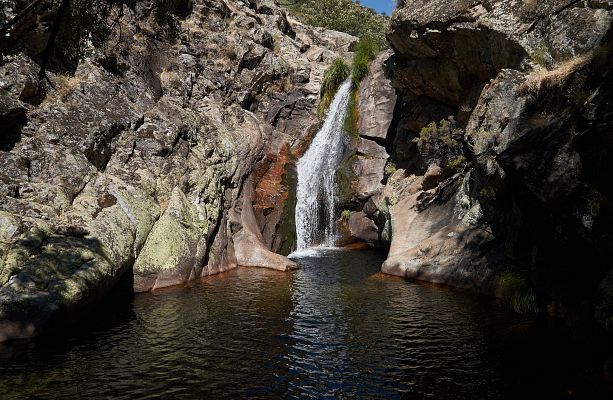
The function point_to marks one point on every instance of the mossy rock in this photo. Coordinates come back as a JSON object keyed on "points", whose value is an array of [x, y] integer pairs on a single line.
{"points": [[173, 237], [345, 183]]}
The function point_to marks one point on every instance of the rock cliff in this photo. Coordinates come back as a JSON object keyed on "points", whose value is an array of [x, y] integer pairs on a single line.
{"points": [[135, 159], [500, 147]]}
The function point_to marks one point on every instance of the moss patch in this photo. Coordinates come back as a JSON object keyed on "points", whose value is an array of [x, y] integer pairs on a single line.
{"points": [[345, 179], [171, 239]]}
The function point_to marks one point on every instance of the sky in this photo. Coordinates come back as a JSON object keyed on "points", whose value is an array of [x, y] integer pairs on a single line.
{"points": [[386, 6]]}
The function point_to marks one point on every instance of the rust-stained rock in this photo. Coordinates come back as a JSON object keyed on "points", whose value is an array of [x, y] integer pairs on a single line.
{"points": [[249, 246]]}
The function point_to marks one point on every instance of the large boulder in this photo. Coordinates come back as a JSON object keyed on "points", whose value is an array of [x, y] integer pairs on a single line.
{"points": [[248, 241]]}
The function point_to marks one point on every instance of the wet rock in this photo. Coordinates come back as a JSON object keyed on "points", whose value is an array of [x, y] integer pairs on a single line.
{"points": [[451, 256], [363, 228], [248, 242]]}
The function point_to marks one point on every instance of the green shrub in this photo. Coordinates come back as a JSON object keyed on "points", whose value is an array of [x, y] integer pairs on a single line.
{"points": [[516, 292], [540, 55], [334, 76], [390, 168], [441, 143], [482, 142], [345, 215], [488, 193], [457, 163]]}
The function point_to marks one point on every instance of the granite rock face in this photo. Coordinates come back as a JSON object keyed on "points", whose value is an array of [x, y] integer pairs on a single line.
{"points": [[528, 85], [361, 176], [132, 162]]}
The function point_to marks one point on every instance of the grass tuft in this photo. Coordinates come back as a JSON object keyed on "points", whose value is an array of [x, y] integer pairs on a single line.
{"points": [[365, 52], [541, 78], [334, 76], [517, 293]]}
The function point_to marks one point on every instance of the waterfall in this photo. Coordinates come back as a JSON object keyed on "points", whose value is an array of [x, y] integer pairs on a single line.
{"points": [[316, 193]]}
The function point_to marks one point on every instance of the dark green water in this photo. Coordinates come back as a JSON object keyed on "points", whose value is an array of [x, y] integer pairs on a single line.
{"points": [[334, 329]]}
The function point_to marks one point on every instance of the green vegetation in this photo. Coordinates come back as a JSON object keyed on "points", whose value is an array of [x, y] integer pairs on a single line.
{"points": [[540, 55], [483, 142], [334, 76], [457, 163], [345, 215], [340, 15], [352, 120], [366, 51], [593, 201], [345, 178], [441, 143], [84, 26], [390, 168], [516, 292], [488, 192]]}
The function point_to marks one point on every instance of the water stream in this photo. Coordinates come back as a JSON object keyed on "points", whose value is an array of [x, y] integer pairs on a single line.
{"points": [[316, 192]]}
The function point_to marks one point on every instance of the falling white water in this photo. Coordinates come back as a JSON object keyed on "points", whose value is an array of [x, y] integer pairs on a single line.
{"points": [[315, 213]]}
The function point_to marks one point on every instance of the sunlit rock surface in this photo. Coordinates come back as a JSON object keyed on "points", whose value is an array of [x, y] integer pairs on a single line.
{"points": [[130, 164]]}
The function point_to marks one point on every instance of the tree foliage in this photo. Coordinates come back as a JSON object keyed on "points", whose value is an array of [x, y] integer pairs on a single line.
{"points": [[341, 15], [87, 24]]}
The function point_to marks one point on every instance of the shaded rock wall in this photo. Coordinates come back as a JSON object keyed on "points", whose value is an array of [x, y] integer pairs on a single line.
{"points": [[132, 162], [528, 86]]}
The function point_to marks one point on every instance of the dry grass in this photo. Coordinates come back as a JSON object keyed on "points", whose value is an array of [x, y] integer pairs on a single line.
{"points": [[63, 85], [225, 54], [541, 78], [466, 108], [463, 6], [282, 85], [530, 6]]}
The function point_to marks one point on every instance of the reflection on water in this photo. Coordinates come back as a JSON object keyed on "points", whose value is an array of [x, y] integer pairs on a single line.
{"points": [[333, 329]]}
